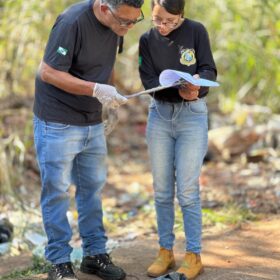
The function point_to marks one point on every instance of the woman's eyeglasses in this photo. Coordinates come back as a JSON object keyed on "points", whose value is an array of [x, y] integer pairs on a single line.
{"points": [[124, 22], [169, 24]]}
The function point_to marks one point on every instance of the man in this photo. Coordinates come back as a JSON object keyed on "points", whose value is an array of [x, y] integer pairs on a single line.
{"points": [[71, 87]]}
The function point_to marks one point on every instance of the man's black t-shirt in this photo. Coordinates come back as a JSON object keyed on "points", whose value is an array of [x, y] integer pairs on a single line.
{"points": [[186, 49], [81, 45]]}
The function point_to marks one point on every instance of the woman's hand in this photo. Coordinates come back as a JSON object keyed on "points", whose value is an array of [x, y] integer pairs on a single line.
{"points": [[188, 91]]}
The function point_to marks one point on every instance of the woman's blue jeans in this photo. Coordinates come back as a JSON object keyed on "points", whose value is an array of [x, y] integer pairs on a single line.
{"points": [[177, 136], [71, 154]]}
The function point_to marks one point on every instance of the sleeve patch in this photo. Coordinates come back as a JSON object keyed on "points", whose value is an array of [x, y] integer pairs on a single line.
{"points": [[62, 51]]}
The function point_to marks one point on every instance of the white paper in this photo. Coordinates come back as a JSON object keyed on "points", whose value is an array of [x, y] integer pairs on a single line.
{"points": [[169, 77]]}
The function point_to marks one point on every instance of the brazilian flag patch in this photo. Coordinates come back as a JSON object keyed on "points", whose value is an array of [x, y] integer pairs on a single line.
{"points": [[62, 51]]}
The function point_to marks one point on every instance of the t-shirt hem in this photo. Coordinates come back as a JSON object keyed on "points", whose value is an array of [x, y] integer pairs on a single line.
{"points": [[46, 119]]}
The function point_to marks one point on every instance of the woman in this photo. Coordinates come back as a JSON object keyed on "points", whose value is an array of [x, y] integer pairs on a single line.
{"points": [[177, 128]]}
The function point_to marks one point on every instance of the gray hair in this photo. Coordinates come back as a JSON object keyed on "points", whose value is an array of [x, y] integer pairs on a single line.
{"points": [[114, 4]]}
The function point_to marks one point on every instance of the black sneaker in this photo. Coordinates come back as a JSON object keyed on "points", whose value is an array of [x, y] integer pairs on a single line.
{"points": [[102, 266], [62, 271]]}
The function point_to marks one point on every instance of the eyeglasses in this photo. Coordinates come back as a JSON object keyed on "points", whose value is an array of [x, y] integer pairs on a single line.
{"points": [[169, 24], [126, 22]]}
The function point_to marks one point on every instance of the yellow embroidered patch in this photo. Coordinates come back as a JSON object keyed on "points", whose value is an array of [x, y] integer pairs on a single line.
{"points": [[188, 57]]}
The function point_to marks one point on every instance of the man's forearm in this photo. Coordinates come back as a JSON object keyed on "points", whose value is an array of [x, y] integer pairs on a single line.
{"points": [[65, 81]]}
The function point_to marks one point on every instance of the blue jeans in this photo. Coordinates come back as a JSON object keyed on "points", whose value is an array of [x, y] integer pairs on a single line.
{"points": [[71, 154], [177, 136]]}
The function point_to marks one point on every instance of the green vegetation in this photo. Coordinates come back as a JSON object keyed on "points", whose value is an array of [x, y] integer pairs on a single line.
{"points": [[245, 40], [228, 215], [39, 266]]}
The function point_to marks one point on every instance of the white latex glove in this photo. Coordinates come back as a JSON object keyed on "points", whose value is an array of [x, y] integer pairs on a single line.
{"points": [[108, 96]]}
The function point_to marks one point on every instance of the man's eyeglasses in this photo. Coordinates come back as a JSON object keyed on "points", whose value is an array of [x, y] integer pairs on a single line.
{"points": [[169, 24], [126, 22]]}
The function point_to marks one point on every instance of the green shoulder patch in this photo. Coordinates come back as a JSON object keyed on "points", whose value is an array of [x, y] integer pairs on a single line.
{"points": [[62, 51]]}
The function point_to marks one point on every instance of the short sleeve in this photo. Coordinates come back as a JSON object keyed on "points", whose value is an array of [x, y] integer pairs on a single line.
{"points": [[62, 45]]}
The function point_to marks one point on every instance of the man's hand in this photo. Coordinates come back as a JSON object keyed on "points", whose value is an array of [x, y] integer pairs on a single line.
{"points": [[108, 96], [189, 91]]}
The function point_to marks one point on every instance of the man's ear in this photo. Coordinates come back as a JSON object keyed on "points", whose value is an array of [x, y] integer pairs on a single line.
{"points": [[104, 8]]}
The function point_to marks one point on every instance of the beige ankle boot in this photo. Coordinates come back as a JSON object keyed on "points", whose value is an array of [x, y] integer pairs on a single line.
{"points": [[162, 263], [191, 265]]}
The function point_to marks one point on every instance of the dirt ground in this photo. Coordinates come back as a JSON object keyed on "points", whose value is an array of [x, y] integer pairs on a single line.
{"points": [[250, 252]]}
